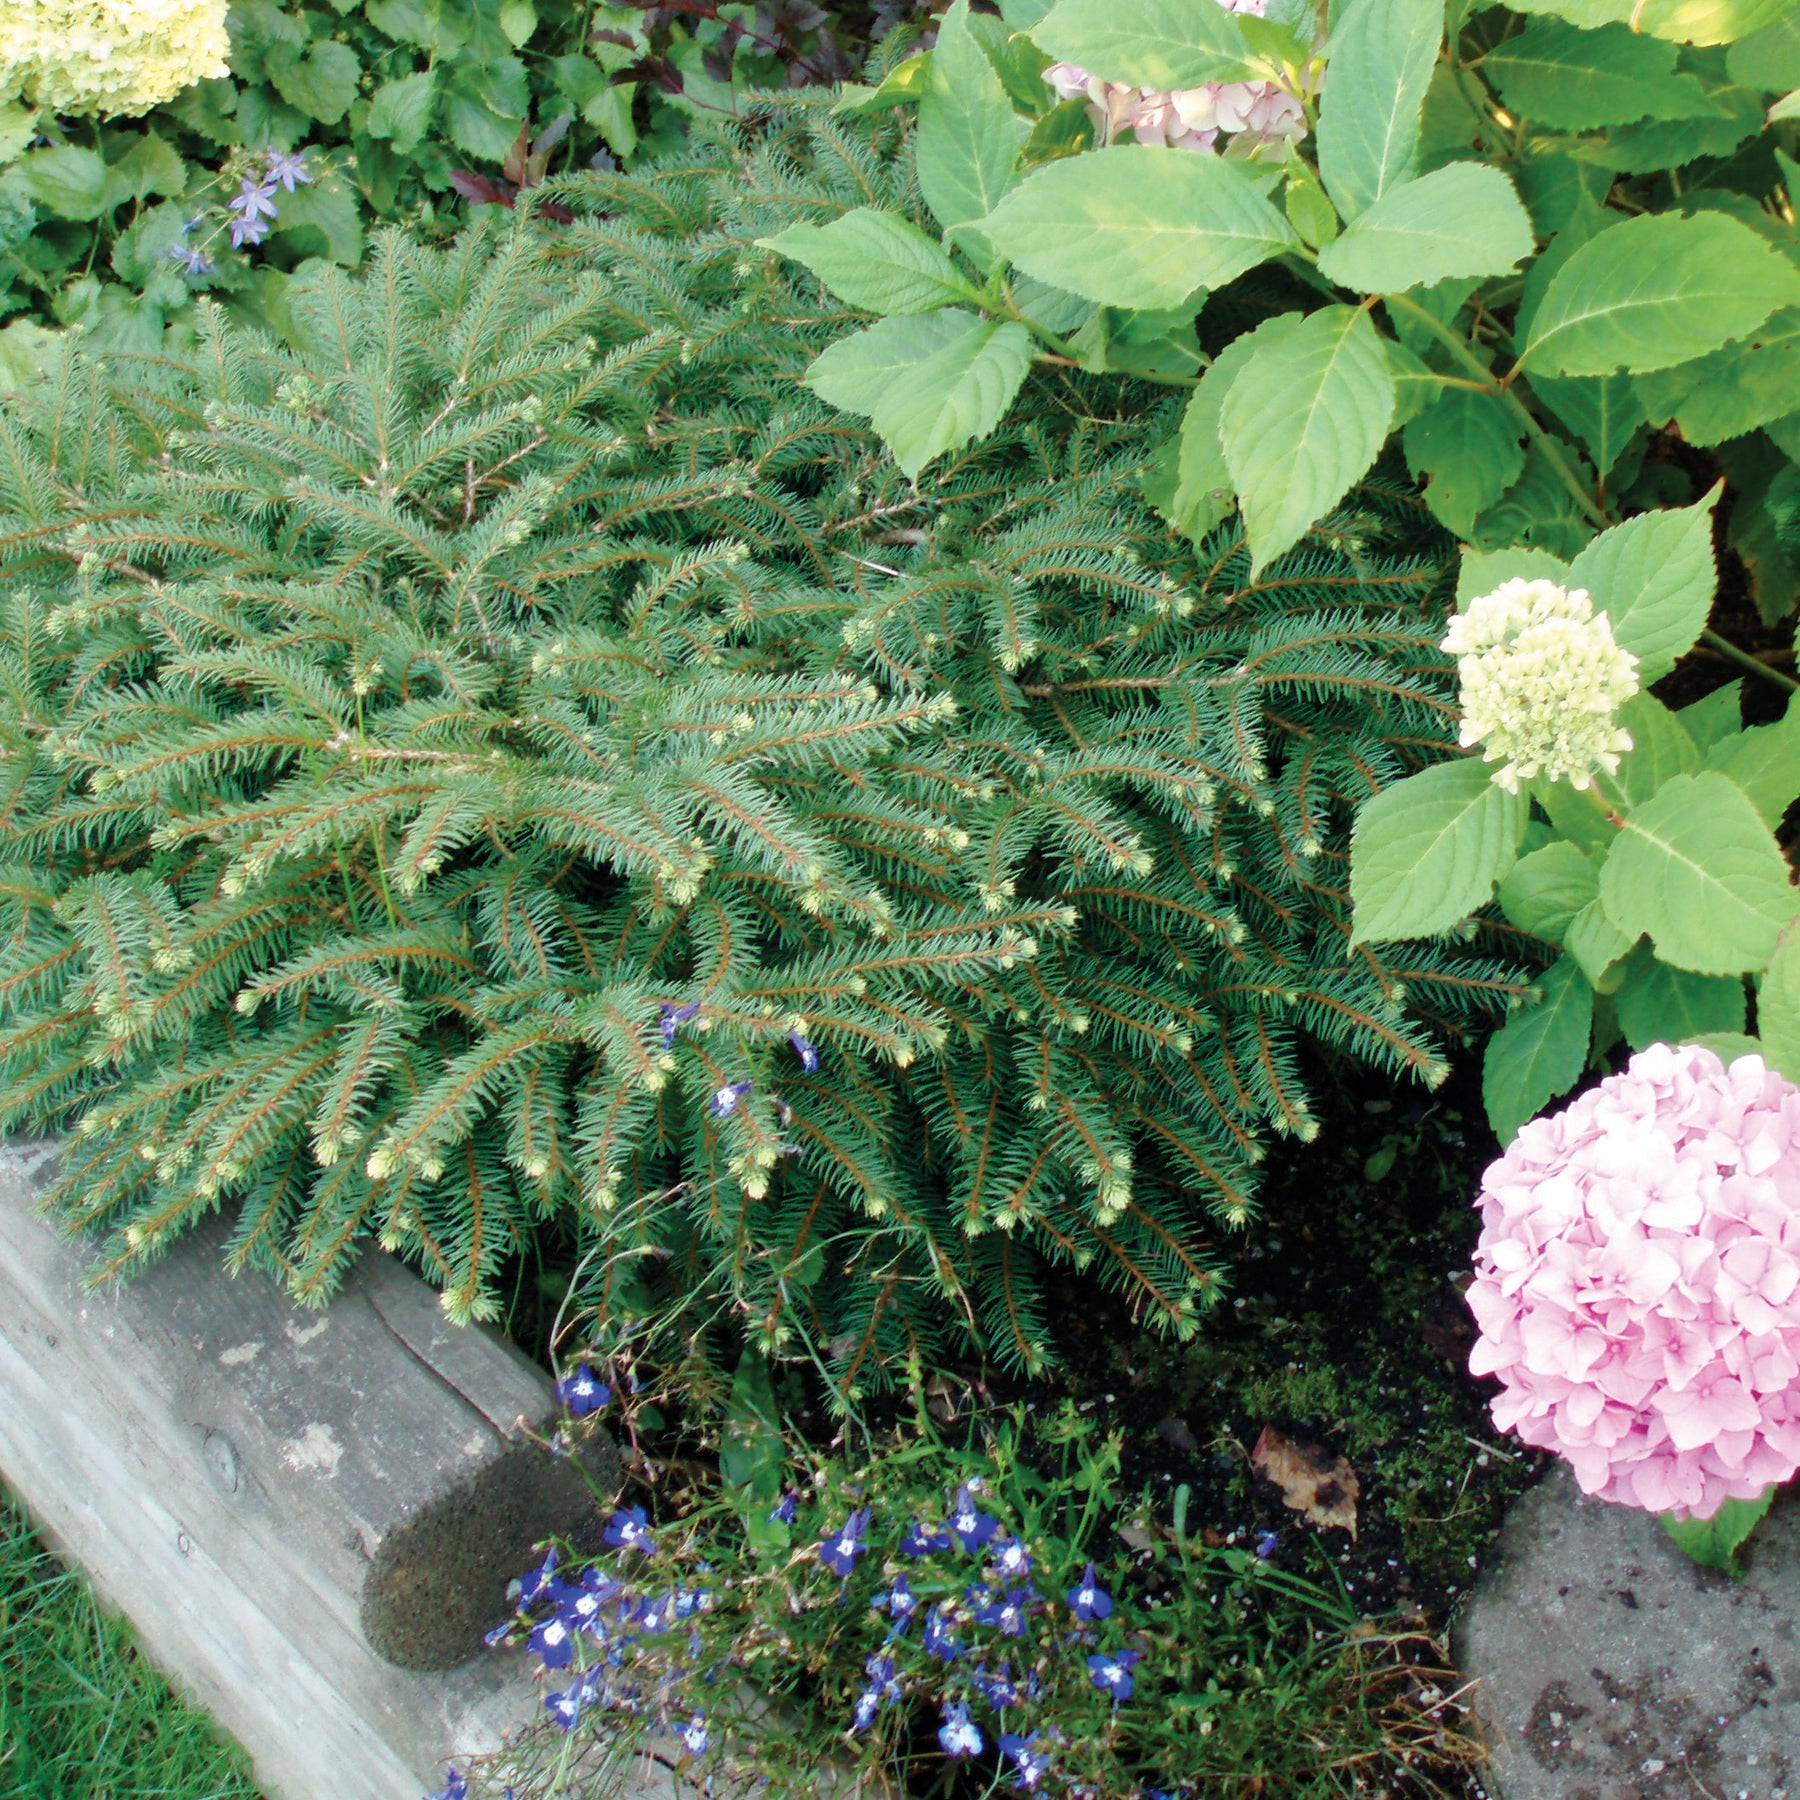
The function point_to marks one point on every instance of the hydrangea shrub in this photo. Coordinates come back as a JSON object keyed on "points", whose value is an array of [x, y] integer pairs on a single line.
{"points": [[113, 58], [1637, 844]]}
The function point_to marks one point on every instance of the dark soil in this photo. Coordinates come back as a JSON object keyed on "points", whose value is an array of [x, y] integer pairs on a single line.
{"points": [[1345, 1328]]}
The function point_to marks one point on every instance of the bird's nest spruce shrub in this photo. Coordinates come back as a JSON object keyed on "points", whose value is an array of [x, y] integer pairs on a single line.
{"points": [[511, 753]]}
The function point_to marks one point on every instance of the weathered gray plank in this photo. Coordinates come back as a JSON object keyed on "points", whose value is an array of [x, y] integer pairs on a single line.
{"points": [[286, 1504]]}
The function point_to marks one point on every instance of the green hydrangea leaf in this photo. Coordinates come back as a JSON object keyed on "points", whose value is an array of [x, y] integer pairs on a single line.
{"points": [[1660, 748], [1162, 44], [1597, 945], [67, 181], [1470, 450], [1138, 225], [1680, 21], [1604, 411], [1459, 221], [968, 135], [1540, 1051], [1657, 290], [928, 383], [1658, 1004], [1545, 889], [1765, 762], [1654, 578], [1426, 852], [1303, 420], [1778, 1006], [1697, 869], [1718, 716], [1562, 78], [1715, 1542], [1382, 56], [875, 260]]}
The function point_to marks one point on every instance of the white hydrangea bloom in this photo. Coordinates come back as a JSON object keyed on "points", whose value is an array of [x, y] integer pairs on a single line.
{"points": [[115, 58], [1541, 681], [1263, 113]]}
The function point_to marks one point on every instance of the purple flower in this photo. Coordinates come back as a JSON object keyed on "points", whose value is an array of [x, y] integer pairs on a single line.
{"points": [[566, 1707], [785, 1510], [1012, 1559], [456, 1787], [840, 1551], [534, 1583], [1112, 1674], [583, 1392], [940, 1636], [868, 1704], [286, 169], [1011, 1612], [655, 1612], [1265, 1544], [254, 199], [959, 1736], [247, 231], [1032, 1765], [693, 1736], [726, 1100], [1088, 1600], [192, 258], [921, 1540], [806, 1050], [996, 1686], [628, 1530], [673, 1018], [579, 1604], [899, 1602], [501, 1634], [973, 1529], [553, 1643]]}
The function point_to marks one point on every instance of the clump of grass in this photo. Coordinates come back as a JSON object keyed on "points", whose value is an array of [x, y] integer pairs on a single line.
{"points": [[82, 1715]]}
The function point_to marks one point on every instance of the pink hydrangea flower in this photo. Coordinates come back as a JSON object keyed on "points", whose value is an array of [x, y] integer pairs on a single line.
{"points": [[1638, 1282]]}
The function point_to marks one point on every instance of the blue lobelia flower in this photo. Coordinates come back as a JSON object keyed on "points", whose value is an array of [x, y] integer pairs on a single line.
{"points": [[1088, 1600], [785, 1509], [921, 1540], [973, 1529], [840, 1550], [456, 1787], [899, 1602], [693, 1735], [885, 1679], [726, 1100], [501, 1634], [1266, 1542], [1011, 1559], [579, 1604], [1010, 1612], [583, 1392], [805, 1049], [959, 1735], [941, 1640], [538, 1580], [868, 1704], [996, 1686], [1031, 1763], [673, 1018], [553, 1642], [1111, 1674], [628, 1530]]}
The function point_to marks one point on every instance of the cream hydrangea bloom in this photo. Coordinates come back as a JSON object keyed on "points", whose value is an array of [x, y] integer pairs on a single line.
{"points": [[1541, 681], [116, 58]]}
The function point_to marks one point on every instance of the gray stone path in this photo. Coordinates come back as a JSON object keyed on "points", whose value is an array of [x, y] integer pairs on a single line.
{"points": [[1610, 1667]]}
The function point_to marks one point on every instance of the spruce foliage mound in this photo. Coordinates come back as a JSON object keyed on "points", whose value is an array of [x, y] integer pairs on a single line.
{"points": [[462, 764]]}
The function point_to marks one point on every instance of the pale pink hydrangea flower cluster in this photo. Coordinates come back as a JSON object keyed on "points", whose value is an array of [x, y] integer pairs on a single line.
{"points": [[1638, 1282], [1189, 118]]}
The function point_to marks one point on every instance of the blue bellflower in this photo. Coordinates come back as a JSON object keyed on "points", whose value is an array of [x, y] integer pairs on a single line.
{"points": [[806, 1050], [1088, 1600], [959, 1735], [840, 1551], [287, 169]]}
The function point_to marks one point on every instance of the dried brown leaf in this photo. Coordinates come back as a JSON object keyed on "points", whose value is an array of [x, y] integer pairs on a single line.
{"points": [[1321, 1487]]}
